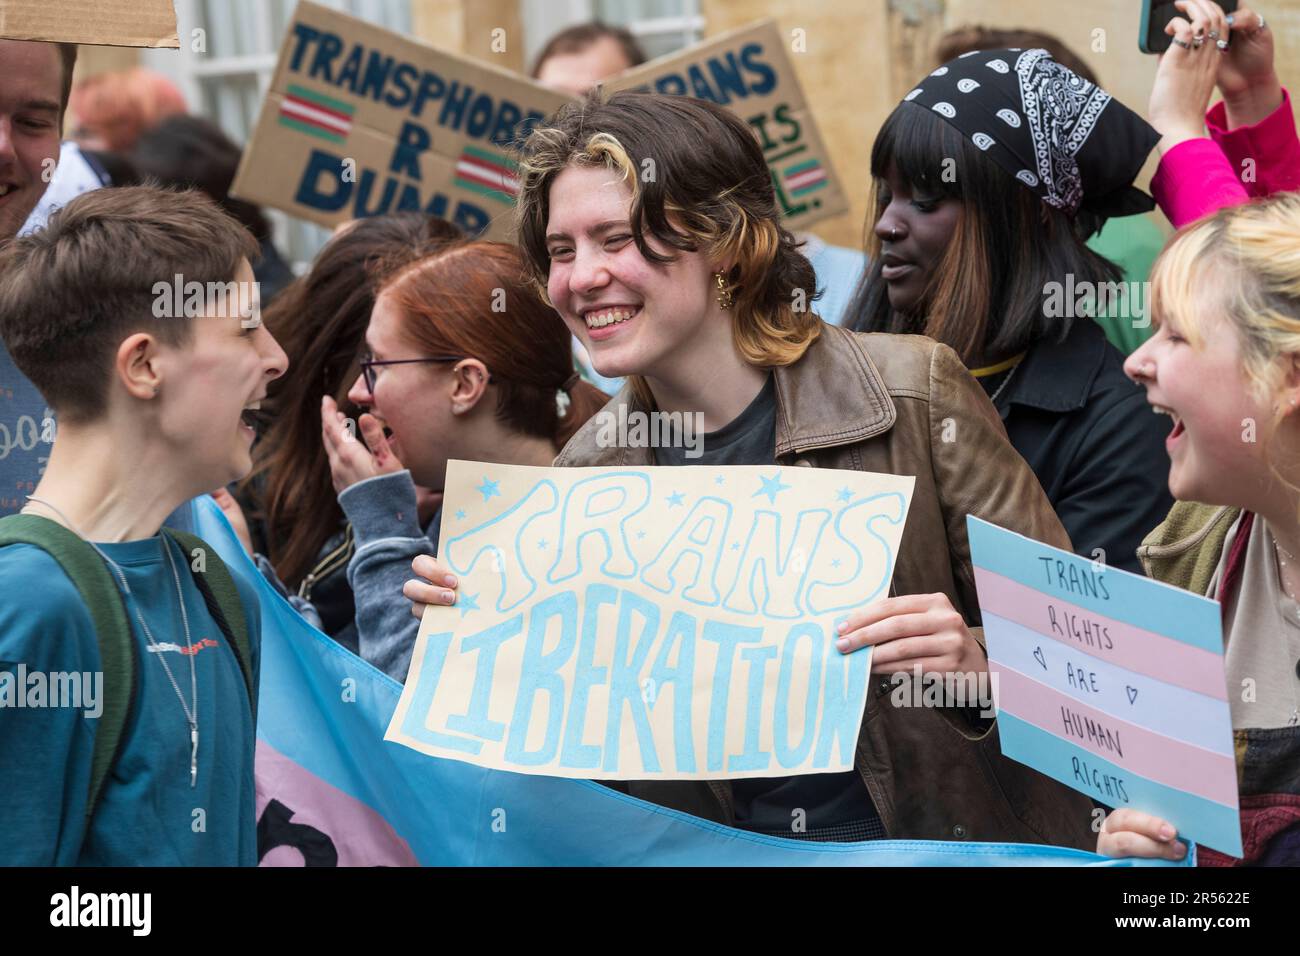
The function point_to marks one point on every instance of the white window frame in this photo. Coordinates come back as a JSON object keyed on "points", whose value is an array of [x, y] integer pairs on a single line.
{"points": [[297, 239]]}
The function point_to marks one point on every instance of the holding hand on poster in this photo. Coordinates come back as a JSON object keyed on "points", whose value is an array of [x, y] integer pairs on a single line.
{"points": [[1133, 833], [914, 630], [433, 584]]}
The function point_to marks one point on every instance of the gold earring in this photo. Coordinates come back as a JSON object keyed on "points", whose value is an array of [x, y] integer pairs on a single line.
{"points": [[724, 294]]}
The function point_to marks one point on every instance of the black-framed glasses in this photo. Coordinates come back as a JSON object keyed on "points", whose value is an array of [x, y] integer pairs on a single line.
{"points": [[368, 366]]}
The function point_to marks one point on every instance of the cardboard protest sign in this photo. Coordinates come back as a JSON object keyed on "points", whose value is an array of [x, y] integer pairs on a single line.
{"points": [[749, 72], [146, 23], [662, 622], [360, 121], [1109, 682]]}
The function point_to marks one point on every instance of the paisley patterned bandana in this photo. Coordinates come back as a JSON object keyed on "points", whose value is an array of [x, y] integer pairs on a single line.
{"points": [[1061, 136]]}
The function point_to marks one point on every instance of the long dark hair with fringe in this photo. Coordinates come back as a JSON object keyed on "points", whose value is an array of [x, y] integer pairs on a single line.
{"points": [[985, 297]]}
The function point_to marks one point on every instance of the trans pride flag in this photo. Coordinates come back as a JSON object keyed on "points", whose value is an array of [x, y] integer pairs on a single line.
{"points": [[332, 791]]}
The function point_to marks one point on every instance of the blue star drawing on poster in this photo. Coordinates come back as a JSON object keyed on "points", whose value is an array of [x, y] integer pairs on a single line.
{"points": [[771, 487], [844, 495], [675, 499], [541, 545], [719, 480], [467, 603], [488, 489], [460, 514]]}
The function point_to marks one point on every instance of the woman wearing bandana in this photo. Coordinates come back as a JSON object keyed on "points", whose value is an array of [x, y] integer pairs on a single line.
{"points": [[989, 178]]}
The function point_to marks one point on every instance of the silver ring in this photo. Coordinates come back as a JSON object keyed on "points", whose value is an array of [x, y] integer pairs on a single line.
{"points": [[1182, 43], [1214, 34], [1262, 24], [1223, 46]]}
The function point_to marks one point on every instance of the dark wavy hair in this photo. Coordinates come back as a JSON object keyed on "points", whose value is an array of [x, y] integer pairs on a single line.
{"points": [[985, 296], [699, 183]]}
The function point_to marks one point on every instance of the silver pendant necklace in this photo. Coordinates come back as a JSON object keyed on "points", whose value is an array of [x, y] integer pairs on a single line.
{"points": [[1005, 382], [191, 714]]}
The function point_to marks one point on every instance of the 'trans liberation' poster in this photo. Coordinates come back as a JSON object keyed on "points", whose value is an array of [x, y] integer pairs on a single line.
{"points": [[660, 622]]}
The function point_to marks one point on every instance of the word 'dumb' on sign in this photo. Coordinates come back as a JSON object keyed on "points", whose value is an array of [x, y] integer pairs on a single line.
{"points": [[656, 622]]}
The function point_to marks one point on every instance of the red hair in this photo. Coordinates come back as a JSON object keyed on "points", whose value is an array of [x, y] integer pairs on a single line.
{"points": [[473, 299], [123, 104]]}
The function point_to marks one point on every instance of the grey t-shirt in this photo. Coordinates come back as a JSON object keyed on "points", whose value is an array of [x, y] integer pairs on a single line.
{"points": [[748, 439], [1263, 637], [819, 806]]}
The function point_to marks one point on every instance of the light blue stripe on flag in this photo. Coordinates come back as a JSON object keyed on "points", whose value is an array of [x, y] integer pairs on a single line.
{"points": [[1137, 600], [1196, 818]]}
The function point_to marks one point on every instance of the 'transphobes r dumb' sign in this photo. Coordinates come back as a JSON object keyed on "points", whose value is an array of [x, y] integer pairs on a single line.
{"points": [[749, 72], [360, 121]]}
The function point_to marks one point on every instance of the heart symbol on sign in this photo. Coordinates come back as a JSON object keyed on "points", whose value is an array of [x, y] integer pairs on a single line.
{"points": [[1038, 656], [1132, 693]]}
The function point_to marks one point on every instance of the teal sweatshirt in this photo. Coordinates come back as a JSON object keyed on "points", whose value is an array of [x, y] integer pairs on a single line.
{"points": [[148, 815]]}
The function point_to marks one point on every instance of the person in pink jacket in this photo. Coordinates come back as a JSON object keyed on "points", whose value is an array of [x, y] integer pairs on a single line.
{"points": [[1252, 152], [1252, 149]]}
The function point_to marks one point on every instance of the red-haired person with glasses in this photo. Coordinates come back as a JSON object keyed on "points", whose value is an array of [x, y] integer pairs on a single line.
{"points": [[461, 360]]}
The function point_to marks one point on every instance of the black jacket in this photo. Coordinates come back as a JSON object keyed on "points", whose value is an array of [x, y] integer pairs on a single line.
{"points": [[1094, 443]]}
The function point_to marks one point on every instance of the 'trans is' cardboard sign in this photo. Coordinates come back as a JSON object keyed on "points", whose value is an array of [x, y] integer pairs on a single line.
{"points": [[651, 623], [360, 121], [143, 23], [749, 72], [1109, 682]]}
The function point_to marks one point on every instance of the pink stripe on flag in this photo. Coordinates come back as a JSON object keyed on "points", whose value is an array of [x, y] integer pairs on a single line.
{"points": [[1164, 760], [359, 834], [1124, 645]]}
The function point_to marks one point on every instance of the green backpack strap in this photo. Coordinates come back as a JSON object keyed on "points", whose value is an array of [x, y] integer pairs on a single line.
{"points": [[117, 650], [222, 598]]}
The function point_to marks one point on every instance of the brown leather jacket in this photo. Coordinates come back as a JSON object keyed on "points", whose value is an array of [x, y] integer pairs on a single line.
{"points": [[904, 404]]}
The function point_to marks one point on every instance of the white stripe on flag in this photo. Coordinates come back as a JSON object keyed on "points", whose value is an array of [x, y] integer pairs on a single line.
{"points": [[301, 110], [487, 175], [806, 178]]}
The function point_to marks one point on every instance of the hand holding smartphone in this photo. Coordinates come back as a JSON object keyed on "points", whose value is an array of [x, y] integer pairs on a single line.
{"points": [[1156, 15]]}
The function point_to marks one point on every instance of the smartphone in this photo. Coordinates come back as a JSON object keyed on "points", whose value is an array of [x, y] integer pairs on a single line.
{"points": [[1156, 15]]}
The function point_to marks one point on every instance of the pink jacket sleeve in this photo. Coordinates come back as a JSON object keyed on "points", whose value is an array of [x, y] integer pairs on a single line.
{"points": [[1271, 143], [1198, 176]]}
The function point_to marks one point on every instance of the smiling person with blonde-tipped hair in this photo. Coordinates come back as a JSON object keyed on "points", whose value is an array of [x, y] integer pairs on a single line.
{"points": [[683, 281]]}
